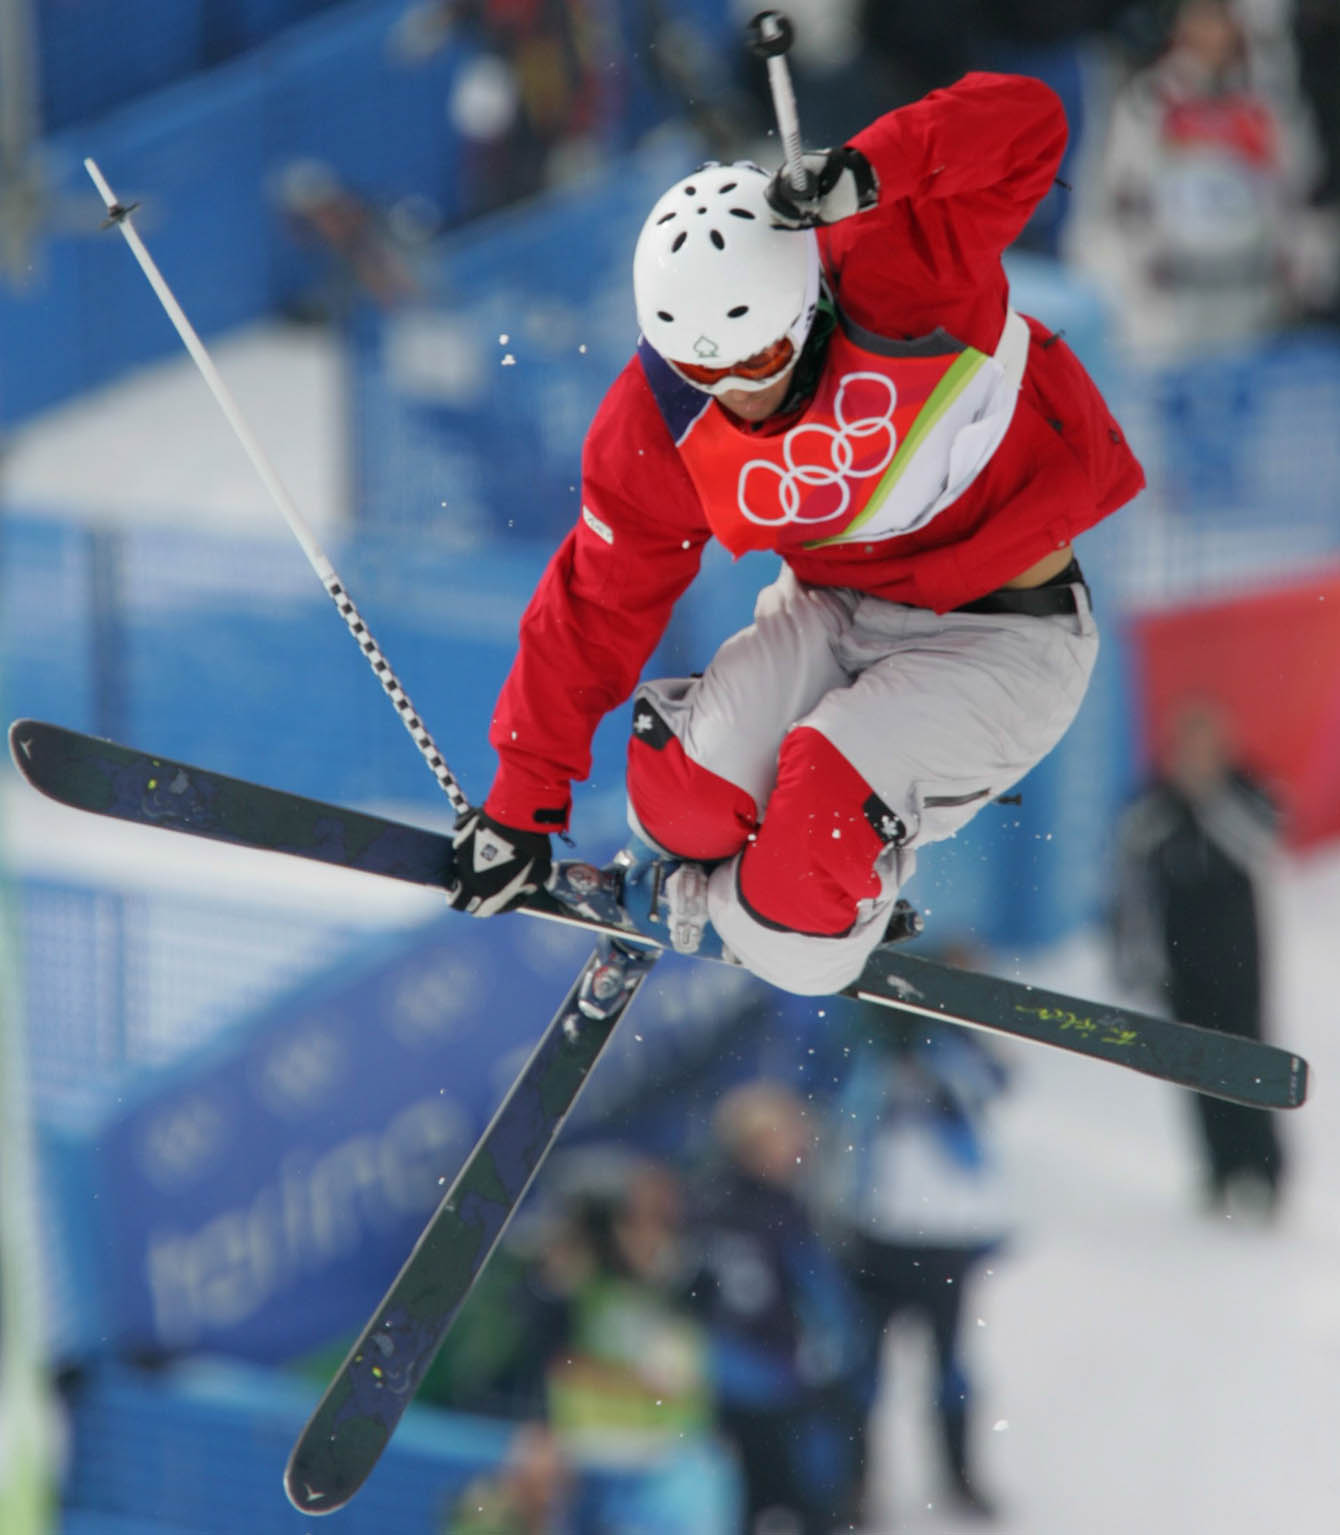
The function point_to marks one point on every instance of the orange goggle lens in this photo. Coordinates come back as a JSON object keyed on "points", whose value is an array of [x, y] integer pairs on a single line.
{"points": [[772, 359]]}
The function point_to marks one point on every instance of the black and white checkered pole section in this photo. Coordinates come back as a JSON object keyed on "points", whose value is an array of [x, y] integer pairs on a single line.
{"points": [[120, 216]]}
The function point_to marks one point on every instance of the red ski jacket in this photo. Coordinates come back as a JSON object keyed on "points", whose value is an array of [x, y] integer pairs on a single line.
{"points": [[959, 174]]}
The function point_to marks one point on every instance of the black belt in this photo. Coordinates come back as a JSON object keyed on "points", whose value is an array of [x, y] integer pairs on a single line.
{"points": [[1053, 599]]}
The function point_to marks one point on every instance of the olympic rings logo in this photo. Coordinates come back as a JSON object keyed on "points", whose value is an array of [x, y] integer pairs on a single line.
{"points": [[792, 496]]}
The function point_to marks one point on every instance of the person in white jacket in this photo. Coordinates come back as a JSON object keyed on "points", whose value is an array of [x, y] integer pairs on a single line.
{"points": [[1193, 214], [921, 1200]]}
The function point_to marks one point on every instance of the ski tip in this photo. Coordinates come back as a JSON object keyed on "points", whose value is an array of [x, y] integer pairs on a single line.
{"points": [[334, 1456], [21, 734], [307, 1495], [1297, 1082], [307, 1500]]}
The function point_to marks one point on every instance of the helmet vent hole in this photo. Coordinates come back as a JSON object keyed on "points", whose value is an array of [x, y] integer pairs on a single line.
{"points": [[690, 191], [740, 309], [741, 213], [666, 217], [664, 314], [729, 187], [714, 235], [678, 240]]}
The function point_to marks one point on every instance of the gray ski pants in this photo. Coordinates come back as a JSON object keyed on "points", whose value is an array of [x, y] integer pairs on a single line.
{"points": [[936, 713]]}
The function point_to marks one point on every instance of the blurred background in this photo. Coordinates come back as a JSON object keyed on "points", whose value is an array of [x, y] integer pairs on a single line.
{"points": [[794, 1267]]}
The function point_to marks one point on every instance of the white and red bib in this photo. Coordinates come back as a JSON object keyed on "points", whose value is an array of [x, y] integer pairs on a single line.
{"points": [[895, 431]]}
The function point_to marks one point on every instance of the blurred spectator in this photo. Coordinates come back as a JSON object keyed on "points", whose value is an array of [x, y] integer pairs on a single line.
{"points": [[920, 1200], [632, 1366], [1194, 216], [530, 1494], [1193, 852], [838, 80], [360, 255], [920, 47], [579, 1322], [1316, 28], [788, 1349], [700, 74], [533, 102], [912, 49]]}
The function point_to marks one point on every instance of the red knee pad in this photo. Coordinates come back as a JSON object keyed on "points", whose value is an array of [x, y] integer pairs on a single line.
{"points": [[814, 857], [691, 811]]}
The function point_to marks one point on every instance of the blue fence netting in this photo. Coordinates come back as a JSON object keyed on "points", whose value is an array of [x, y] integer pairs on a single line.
{"points": [[203, 1446], [1242, 461]]}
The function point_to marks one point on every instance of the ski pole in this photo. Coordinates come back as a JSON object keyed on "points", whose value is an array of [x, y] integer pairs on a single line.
{"points": [[770, 37], [316, 558]]}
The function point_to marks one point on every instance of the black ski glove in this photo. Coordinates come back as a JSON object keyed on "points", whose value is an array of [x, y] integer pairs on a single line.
{"points": [[495, 867], [842, 182]]}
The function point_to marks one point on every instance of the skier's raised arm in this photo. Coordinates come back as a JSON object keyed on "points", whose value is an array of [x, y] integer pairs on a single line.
{"points": [[991, 142]]}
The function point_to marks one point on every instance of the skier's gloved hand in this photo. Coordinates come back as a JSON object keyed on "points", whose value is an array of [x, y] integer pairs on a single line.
{"points": [[495, 867], [842, 182]]}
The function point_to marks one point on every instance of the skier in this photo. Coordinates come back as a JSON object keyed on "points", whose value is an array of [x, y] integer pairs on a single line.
{"points": [[838, 377]]}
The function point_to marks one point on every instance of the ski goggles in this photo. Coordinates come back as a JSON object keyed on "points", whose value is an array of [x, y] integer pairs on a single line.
{"points": [[755, 371]]}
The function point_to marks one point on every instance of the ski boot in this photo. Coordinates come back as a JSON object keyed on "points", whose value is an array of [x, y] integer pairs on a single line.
{"points": [[666, 898]]}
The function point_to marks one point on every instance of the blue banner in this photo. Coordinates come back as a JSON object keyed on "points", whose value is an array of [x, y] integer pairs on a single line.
{"points": [[257, 1197]]}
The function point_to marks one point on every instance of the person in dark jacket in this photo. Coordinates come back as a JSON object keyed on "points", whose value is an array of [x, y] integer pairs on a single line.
{"points": [[789, 1350], [1193, 851]]}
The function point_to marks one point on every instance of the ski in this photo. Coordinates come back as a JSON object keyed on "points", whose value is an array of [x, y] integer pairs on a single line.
{"points": [[362, 1405], [107, 779]]}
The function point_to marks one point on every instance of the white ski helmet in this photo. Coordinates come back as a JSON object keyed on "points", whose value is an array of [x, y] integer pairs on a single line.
{"points": [[717, 282]]}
